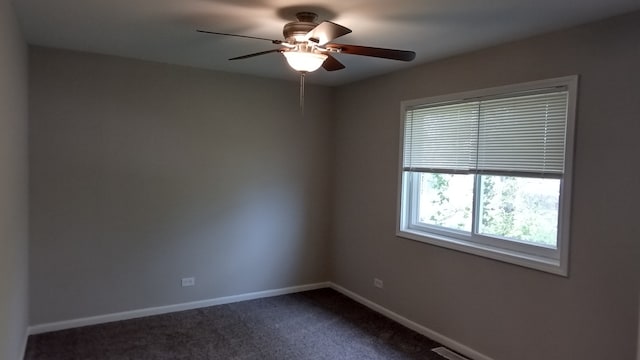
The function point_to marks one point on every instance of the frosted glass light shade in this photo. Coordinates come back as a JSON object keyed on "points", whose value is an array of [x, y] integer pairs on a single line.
{"points": [[304, 61]]}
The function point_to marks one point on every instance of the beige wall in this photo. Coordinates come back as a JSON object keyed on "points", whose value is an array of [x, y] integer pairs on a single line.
{"points": [[504, 311], [145, 173], [13, 185]]}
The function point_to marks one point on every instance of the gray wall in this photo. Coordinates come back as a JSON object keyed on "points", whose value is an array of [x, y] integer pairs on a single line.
{"points": [[13, 185], [144, 173], [501, 310]]}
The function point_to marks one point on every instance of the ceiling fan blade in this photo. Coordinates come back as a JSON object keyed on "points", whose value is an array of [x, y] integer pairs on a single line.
{"points": [[277, 42], [402, 55], [326, 31], [332, 64], [255, 54]]}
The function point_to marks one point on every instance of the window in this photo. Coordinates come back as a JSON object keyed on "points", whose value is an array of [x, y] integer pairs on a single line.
{"points": [[489, 172]]}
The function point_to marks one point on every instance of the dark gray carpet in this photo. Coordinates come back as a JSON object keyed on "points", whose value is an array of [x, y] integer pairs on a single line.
{"points": [[318, 324]]}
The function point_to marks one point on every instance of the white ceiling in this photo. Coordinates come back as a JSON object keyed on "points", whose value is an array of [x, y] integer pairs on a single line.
{"points": [[164, 30]]}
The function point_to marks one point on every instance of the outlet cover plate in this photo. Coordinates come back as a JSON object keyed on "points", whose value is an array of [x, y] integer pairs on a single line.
{"points": [[378, 283], [190, 281]]}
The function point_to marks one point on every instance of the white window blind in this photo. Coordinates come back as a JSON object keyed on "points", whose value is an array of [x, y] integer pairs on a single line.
{"points": [[441, 138], [523, 134]]}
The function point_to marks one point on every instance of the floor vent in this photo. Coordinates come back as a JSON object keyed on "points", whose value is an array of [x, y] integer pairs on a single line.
{"points": [[448, 354]]}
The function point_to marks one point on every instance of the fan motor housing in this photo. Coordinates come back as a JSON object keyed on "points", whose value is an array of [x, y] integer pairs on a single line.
{"points": [[298, 29]]}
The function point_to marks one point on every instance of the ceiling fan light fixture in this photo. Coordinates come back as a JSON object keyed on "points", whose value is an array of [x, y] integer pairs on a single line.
{"points": [[304, 61]]}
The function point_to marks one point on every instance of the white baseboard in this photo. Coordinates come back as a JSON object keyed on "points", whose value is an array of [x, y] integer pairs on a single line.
{"points": [[125, 315], [434, 335]]}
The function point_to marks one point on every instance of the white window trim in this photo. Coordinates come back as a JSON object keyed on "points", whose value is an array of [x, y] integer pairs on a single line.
{"points": [[559, 265]]}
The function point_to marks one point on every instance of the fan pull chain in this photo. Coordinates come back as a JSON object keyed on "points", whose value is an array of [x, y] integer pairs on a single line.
{"points": [[302, 73]]}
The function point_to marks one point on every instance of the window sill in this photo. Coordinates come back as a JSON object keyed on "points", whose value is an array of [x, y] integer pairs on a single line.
{"points": [[552, 266]]}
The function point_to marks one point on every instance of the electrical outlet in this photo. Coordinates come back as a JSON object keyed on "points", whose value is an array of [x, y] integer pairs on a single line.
{"points": [[378, 283], [190, 281]]}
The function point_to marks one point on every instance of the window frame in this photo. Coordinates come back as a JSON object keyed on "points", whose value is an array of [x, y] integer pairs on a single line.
{"points": [[553, 261]]}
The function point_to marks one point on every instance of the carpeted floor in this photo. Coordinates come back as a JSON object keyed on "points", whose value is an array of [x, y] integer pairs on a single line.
{"points": [[318, 324]]}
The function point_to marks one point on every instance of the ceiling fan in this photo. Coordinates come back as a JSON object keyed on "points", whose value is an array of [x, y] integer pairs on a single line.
{"points": [[307, 47]]}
